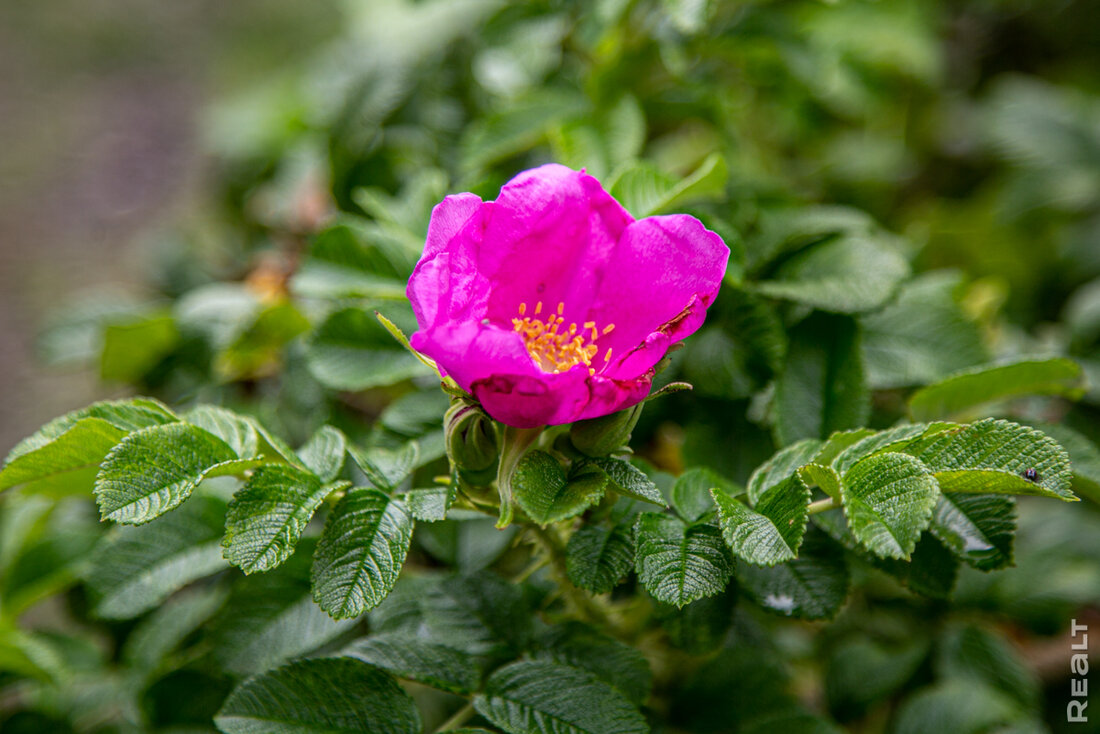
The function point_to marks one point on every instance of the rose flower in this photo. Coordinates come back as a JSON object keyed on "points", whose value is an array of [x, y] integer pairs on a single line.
{"points": [[553, 304]]}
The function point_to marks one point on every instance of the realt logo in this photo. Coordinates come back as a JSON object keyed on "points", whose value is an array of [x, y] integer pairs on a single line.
{"points": [[1079, 666]]}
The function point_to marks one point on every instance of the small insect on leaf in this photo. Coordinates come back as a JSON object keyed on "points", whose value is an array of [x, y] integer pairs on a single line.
{"points": [[1031, 475]]}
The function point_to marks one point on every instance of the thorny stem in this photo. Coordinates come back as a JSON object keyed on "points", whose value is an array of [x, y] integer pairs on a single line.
{"points": [[514, 445], [460, 717], [821, 506]]}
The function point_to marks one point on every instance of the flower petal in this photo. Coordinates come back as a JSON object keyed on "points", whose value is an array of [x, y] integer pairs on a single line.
{"points": [[548, 237], [446, 284], [659, 281], [470, 350]]}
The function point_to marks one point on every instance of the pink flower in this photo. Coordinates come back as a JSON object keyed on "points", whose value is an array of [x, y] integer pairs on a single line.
{"points": [[553, 304]]}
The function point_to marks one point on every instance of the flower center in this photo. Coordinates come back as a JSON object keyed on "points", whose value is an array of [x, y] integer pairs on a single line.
{"points": [[554, 348]]}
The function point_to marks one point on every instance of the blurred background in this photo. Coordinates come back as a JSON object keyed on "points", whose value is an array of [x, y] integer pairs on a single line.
{"points": [[102, 114]]}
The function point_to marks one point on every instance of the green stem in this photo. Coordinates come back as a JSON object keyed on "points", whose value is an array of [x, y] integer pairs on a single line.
{"points": [[821, 506], [514, 445], [460, 717]]}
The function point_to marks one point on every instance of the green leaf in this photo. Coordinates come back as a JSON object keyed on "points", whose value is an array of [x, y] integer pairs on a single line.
{"points": [[78, 440], [131, 349], [597, 557], [268, 514], [679, 563], [541, 697], [467, 540], [352, 351], [972, 653], [931, 569], [519, 127], [822, 387], [162, 631], [386, 468], [888, 499], [977, 528], [236, 431], [340, 265], [430, 504], [418, 660], [133, 570], [893, 439], [630, 481], [812, 586], [361, 552], [791, 722], [324, 453], [700, 627], [824, 478], [547, 495], [993, 456], [644, 190], [959, 707], [849, 274], [298, 699], [771, 532], [82, 446], [272, 618], [691, 492], [961, 394], [922, 336], [155, 469], [613, 662], [1084, 457], [479, 614], [781, 467], [863, 670]]}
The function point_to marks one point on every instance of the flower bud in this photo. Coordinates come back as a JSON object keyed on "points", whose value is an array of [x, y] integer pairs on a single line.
{"points": [[471, 436], [600, 436]]}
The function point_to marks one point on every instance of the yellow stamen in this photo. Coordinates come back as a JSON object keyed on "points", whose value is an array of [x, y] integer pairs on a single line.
{"points": [[607, 357], [554, 348], [607, 329]]}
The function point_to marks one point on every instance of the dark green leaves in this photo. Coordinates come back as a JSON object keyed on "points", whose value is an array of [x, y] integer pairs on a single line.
{"points": [[957, 395], [352, 351], [678, 562], [324, 453], [544, 491], [542, 697], [771, 531], [849, 274], [268, 514], [416, 659], [978, 528], [644, 190], [361, 552], [995, 456], [822, 388], [598, 557], [629, 480], [813, 586], [155, 469], [134, 569], [888, 499], [78, 441], [298, 699]]}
